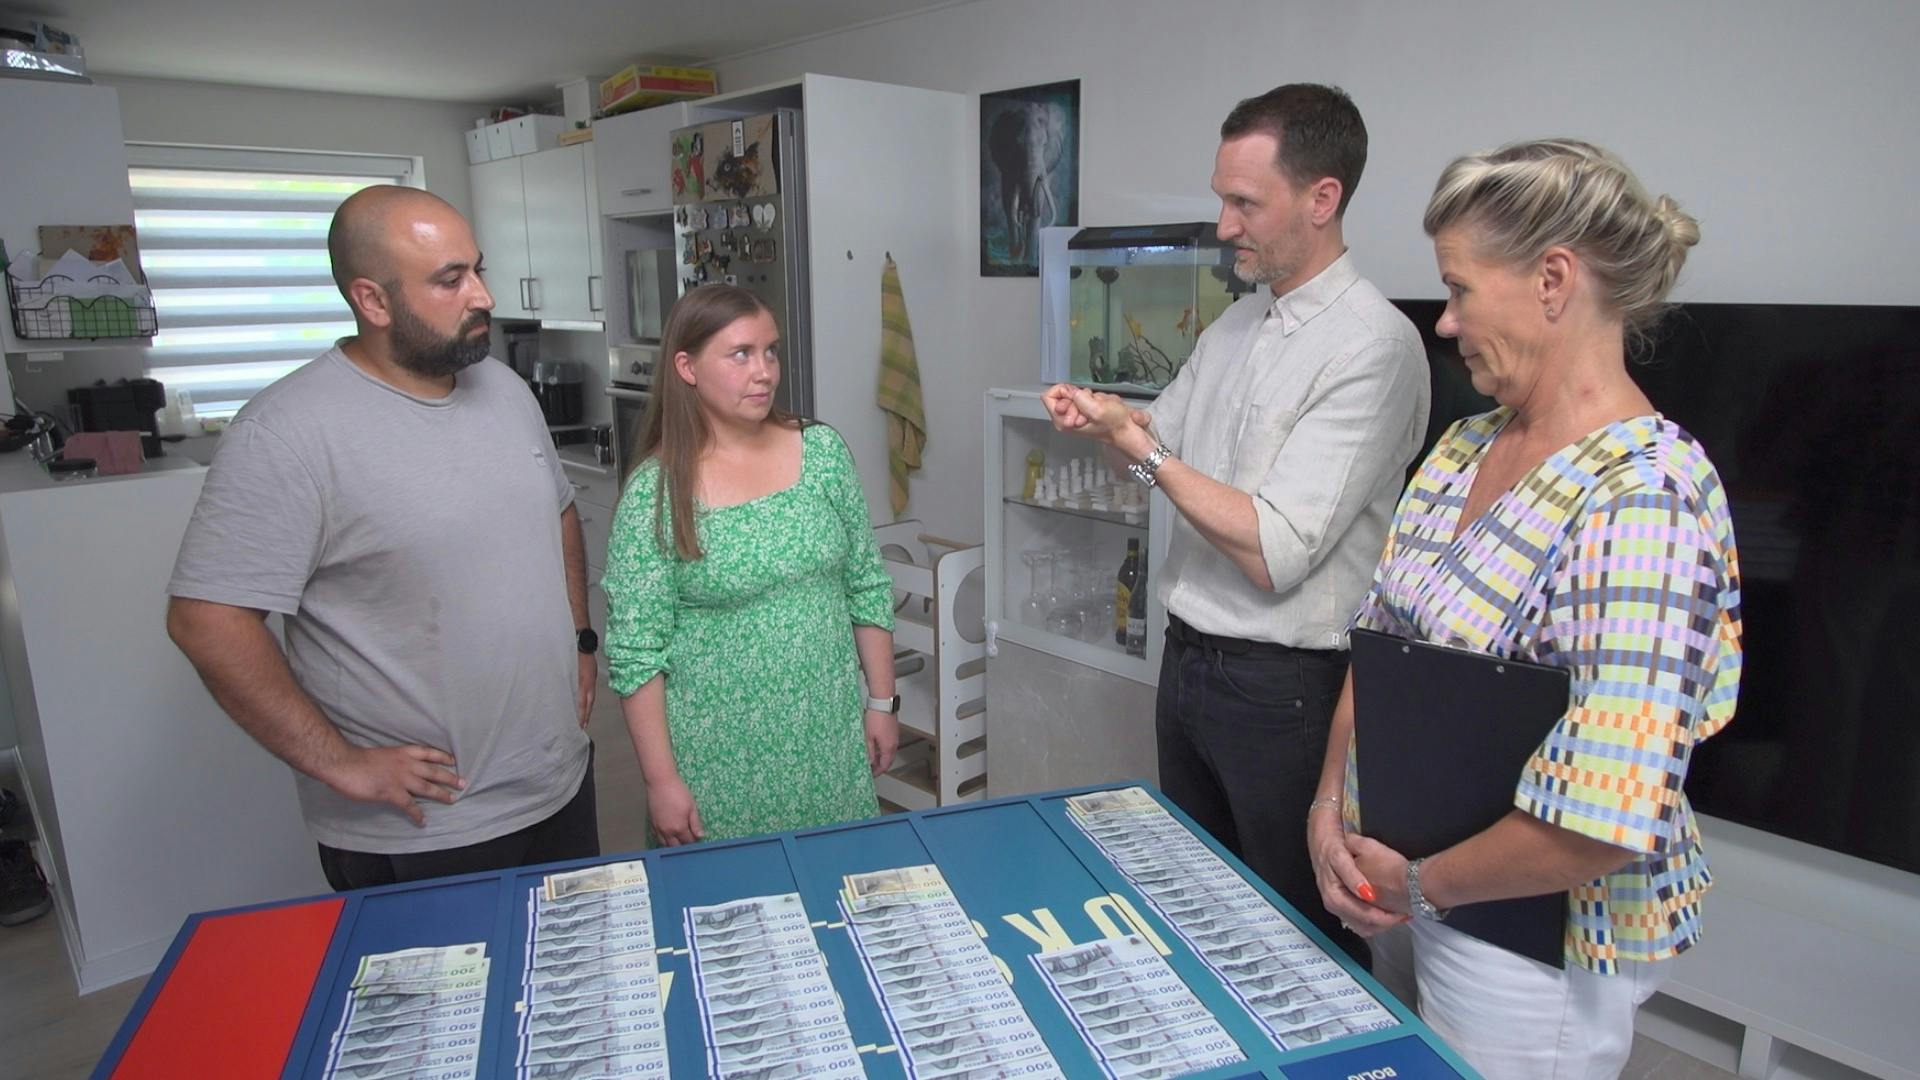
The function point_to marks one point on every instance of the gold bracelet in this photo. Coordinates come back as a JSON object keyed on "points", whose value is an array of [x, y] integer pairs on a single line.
{"points": [[1331, 801]]}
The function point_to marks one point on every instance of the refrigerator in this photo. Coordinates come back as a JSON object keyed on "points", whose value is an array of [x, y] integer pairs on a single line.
{"points": [[739, 218]]}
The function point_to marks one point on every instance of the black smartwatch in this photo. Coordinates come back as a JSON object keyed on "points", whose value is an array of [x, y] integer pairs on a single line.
{"points": [[587, 641]]}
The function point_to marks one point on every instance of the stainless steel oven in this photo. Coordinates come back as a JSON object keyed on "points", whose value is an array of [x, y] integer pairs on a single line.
{"points": [[629, 405], [630, 371]]}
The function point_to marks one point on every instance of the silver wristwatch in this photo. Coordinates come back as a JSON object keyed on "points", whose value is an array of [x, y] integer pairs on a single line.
{"points": [[1145, 470], [884, 704], [1417, 901]]}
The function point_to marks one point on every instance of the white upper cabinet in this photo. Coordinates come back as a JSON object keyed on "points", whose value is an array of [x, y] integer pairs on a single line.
{"points": [[537, 219], [632, 164], [66, 164]]}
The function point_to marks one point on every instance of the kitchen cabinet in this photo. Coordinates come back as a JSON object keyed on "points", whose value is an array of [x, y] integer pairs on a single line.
{"points": [[149, 803], [67, 165], [537, 218], [632, 167], [596, 490]]}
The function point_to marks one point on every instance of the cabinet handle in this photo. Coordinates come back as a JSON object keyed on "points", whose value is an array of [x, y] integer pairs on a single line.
{"points": [[525, 303], [533, 284], [593, 282], [636, 191]]}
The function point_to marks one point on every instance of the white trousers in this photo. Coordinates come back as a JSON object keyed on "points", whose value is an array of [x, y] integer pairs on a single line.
{"points": [[1511, 1017]]}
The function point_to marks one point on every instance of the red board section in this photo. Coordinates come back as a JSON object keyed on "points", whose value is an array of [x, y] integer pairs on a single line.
{"points": [[232, 1004]]}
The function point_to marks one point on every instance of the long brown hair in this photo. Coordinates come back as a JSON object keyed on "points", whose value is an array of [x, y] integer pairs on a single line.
{"points": [[673, 429]]}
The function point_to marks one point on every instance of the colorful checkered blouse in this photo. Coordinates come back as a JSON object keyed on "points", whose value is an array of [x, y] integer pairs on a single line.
{"points": [[1614, 558]]}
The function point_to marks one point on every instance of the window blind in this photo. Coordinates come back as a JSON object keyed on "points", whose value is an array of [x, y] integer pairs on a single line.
{"points": [[234, 245]]}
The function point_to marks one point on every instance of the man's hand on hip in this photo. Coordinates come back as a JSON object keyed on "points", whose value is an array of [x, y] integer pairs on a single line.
{"points": [[399, 776]]}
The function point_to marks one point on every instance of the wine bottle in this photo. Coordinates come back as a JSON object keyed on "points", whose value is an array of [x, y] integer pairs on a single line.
{"points": [[1137, 616], [1123, 585]]}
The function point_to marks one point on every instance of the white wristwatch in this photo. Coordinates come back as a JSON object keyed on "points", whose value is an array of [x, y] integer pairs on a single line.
{"points": [[884, 704]]}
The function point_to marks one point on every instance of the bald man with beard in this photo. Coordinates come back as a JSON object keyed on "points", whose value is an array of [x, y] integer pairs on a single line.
{"points": [[398, 502]]}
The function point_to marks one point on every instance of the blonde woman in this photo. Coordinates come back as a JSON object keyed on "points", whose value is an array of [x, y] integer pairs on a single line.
{"points": [[1572, 526], [746, 595]]}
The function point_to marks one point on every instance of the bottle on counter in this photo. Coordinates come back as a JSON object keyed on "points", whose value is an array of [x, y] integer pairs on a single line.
{"points": [[1136, 642], [1124, 584]]}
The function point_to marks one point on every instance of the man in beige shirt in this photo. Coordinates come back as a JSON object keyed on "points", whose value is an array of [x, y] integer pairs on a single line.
{"points": [[1283, 443]]}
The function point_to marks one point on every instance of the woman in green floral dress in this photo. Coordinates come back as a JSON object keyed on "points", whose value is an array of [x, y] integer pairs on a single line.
{"points": [[746, 595]]}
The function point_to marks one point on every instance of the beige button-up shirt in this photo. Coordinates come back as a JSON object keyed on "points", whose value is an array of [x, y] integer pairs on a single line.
{"points": [[1313, 403]]}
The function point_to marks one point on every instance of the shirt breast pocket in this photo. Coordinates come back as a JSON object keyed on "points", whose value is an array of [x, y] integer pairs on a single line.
{"points": [[1265, 431]]}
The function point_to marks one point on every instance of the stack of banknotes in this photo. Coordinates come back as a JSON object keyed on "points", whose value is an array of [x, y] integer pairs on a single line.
{"points": [[413, 1013], [768, 1009], [952, 1014], [1136, 1015], [590, 998], [1300, 995]]}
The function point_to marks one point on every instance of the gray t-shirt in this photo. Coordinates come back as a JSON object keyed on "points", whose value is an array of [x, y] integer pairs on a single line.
{"points": [[413, 546]]}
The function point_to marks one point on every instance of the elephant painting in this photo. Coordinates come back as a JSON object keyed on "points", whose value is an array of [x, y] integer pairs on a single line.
{"points": [[1029, 166]]}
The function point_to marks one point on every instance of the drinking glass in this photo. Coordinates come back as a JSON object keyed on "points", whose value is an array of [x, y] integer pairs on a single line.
{"points": [[1033, 610]]}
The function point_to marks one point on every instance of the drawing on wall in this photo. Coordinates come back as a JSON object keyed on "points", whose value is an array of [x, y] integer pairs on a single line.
{"points": [[1029, 173]]}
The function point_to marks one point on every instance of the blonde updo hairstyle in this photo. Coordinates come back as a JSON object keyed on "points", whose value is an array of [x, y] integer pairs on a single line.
{"points": [[1526, 197]]}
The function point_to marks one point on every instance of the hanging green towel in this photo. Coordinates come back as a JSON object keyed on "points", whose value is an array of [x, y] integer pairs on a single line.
{"points": [[899, 395]]}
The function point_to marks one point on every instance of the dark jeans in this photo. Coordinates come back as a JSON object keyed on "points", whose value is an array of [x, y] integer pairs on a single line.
{"points": [[1242, 732], [572, 832]]}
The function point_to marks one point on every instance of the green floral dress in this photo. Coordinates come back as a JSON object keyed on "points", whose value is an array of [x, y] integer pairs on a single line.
{"points": [[764, 694]]}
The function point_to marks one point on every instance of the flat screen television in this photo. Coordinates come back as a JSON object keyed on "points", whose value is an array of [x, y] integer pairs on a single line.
{"points": [[1812, 415]]}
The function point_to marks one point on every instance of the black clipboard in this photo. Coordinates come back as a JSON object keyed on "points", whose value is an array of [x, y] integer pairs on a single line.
{"points": [[1441, 736]]}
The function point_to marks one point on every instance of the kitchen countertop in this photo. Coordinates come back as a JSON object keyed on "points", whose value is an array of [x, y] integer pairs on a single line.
{"points": [[19, 472], [580, 457]]}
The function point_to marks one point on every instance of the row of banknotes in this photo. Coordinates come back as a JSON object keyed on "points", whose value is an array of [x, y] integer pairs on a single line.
{"points": [[590, 1005], [952, 1014], [768, 1010], [1133, 1010], [1298, 993], [413, 1013]]}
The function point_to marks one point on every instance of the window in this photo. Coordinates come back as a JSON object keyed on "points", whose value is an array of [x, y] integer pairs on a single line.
{"points": [[234, 244]]}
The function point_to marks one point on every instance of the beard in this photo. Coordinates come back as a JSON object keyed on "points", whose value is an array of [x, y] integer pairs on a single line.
{"points": [[1275, 261], [422, 350]]}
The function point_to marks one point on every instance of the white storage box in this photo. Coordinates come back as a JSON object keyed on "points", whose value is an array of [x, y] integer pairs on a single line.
{"points": [[521, 135]]}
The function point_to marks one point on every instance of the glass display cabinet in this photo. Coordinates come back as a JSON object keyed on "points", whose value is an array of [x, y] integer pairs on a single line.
{"points": [[1068, 543]]}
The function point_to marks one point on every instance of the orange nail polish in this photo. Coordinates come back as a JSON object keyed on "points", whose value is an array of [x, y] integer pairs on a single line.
{"points": [[1367, 893]]}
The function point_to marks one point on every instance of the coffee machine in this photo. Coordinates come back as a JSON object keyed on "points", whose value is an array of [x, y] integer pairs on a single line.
{"points": [[123, 405]]}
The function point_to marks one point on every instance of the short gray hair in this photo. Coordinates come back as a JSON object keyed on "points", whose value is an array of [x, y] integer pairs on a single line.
{"points": [[1529, 196]]}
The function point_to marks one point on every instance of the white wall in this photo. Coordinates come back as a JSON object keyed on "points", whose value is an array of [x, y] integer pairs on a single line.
{"points": [[1791, 130], [213, 114]]}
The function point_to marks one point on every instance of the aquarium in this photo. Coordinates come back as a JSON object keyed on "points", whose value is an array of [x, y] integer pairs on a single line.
{"points": [[1139, 296]]}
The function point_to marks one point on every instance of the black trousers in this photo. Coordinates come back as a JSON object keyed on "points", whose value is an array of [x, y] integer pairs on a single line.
{"points": [[572, 832], [1242, 733]]}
